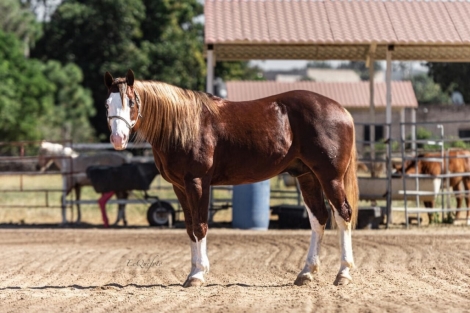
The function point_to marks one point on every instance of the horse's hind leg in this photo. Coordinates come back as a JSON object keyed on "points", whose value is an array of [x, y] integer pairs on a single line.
{"points": [[65, 191], [458, 197], [343, 214], [318, 215], [466, 185], [430, 205], [121, 215]]}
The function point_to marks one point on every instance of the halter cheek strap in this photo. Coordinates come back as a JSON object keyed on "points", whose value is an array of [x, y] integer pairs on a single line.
{"points": [[129, 124]]}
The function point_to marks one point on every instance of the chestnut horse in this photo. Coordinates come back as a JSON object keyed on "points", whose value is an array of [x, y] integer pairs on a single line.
{"points": [[459, 162], [199, 140]]}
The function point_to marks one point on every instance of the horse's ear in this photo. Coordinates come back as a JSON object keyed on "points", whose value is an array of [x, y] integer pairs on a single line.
{"points": [[108, 80], [130, 78]]}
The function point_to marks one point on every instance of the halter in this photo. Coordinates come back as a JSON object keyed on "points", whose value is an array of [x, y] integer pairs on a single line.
{"points": [[130, 124]]}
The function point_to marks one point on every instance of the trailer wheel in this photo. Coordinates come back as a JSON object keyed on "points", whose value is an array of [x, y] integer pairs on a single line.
{"points": [[158, 213]]}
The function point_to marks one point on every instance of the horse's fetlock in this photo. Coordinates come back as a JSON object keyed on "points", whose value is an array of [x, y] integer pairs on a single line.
{"points": [[347, 263], [199, 231], [314, 268]]}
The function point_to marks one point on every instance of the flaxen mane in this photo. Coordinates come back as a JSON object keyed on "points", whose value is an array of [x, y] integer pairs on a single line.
{"points": [[171, 115]]}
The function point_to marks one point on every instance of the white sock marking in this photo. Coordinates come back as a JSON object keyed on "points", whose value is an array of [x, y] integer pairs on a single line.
{"points": [[199, 259], [312, 262], [345, 242]]}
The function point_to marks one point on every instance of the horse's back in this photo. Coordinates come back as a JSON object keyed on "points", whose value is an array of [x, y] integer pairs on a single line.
{"points": [[302, 105], [461, 159], [300, 100], [82, 162]]}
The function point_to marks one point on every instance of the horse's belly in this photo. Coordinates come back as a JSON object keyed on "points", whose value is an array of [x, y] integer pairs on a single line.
{"points": [[235, 170]]}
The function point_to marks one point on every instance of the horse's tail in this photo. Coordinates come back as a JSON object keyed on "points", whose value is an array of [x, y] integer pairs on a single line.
{"points": [[350, 181]]}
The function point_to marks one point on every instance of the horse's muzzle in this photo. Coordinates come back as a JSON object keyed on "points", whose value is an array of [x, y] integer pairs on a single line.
{"points": [[119, 141]]}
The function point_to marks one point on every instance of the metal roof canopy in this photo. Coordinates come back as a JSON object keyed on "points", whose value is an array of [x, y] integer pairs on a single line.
{"points": [[352, 52], [432, 30]]}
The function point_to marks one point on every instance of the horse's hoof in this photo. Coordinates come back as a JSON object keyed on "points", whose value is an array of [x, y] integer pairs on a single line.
{"points": [[193, 282], [303, 280], [342, 281]]}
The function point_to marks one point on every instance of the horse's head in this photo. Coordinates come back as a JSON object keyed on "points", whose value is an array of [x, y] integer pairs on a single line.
{"points": [[123, 108], [410, 168]]}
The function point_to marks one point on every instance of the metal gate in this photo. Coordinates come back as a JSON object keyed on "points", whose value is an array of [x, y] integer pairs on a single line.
{"points": [[413, 148]]}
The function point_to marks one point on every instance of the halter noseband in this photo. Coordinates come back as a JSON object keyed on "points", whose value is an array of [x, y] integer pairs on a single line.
{"points": [[130, 124]]}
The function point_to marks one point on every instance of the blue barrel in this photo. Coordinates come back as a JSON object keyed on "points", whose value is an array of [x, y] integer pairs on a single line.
{"points": [[251, 206]]}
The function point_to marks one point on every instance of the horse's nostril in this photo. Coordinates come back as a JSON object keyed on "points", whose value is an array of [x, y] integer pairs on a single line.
{"points": [[118, 139]]}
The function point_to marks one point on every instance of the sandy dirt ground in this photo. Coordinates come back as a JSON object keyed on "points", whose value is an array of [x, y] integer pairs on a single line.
{"points": [[102, 270]]}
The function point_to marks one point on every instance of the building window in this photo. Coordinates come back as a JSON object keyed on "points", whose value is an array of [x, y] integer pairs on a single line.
{"points": [[464, 133], [379, 132]]}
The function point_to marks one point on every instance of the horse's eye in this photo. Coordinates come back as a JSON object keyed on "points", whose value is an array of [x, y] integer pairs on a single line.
{"points": [[131, 103]]}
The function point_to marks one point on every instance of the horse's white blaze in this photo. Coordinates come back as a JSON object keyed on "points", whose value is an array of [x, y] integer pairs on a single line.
{"points": [[345, 242], [199, 259], [119, 128], [312, 263]]}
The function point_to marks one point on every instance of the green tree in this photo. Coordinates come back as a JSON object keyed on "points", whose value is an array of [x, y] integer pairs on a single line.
{"points": [[173, 41], [427, 91], [25, 93], [237, 70], [69, 118], [20, 21], [452, 77], [319, 64]]}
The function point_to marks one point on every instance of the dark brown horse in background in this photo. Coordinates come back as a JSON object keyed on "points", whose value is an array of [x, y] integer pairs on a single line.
{"points": [[200, 140], [458, 162]]}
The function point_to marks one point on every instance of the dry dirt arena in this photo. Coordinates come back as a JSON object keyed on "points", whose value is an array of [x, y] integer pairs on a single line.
{"points": [[98, 270]]}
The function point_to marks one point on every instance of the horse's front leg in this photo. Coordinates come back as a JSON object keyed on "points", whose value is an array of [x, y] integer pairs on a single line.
{"points": [[78, 188], [197, 199]]}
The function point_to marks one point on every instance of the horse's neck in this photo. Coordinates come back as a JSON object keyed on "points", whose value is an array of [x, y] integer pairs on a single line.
{"points": [[65, 163], [432, 168]]}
